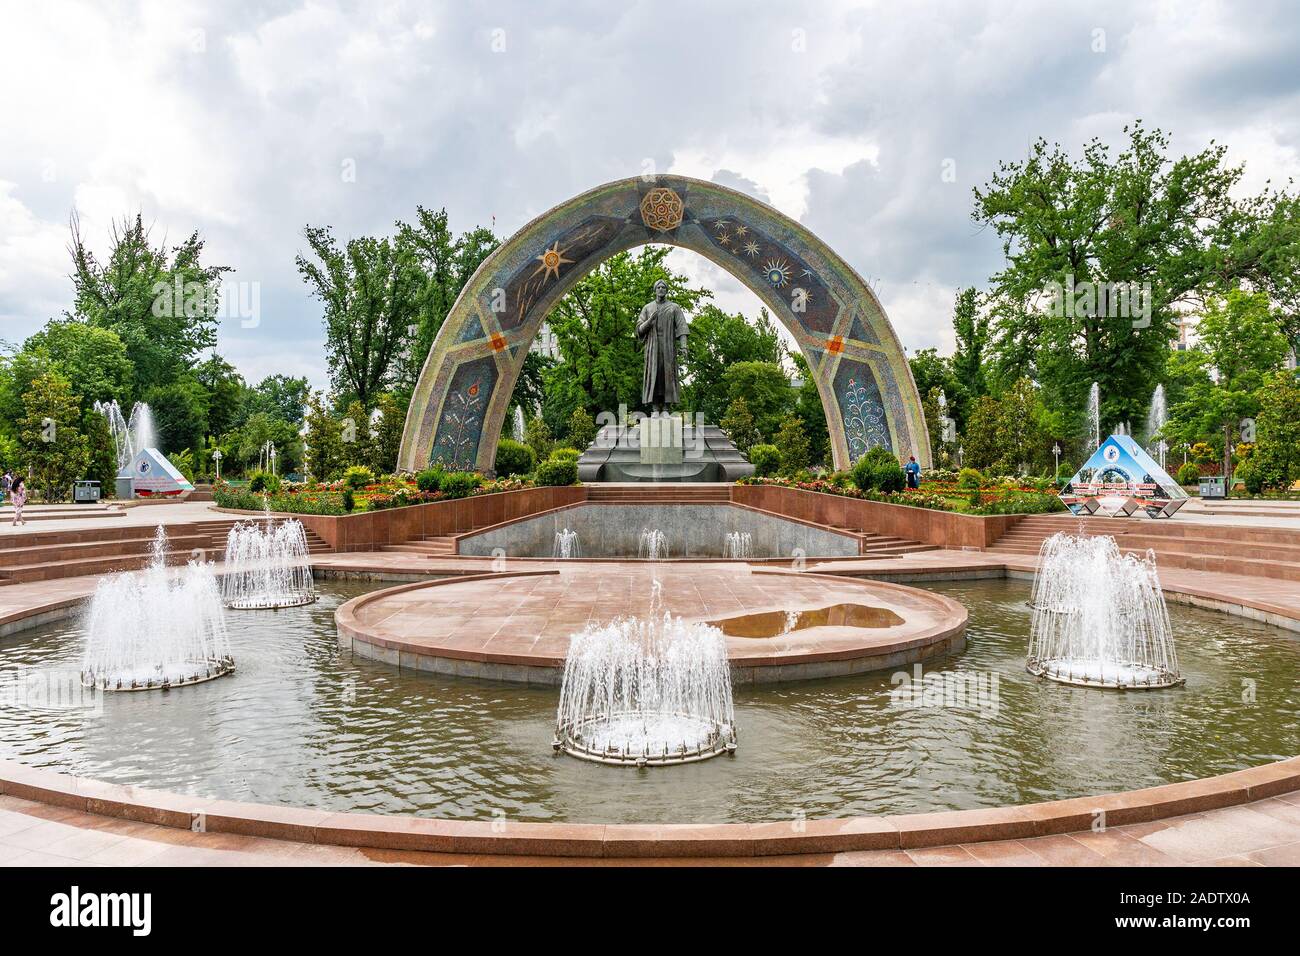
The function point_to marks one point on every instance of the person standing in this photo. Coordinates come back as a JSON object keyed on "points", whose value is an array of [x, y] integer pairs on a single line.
{"points": [[6, 482], [913, 470], [19, 494]]}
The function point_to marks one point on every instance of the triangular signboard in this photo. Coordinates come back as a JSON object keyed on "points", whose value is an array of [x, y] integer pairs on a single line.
{"points": [[1120, 469], [154, 476]]}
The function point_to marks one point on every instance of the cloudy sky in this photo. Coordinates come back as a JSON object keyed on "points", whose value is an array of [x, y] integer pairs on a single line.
{"points": [[249, 120]]}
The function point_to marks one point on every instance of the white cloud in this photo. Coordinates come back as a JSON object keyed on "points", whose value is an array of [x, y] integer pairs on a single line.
{"points": [[237, 119]]}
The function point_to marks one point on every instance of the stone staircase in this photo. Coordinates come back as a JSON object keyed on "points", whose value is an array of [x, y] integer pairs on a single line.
{"points": [[443, 546], [43, 556], [1226, 549], [873, 545]]}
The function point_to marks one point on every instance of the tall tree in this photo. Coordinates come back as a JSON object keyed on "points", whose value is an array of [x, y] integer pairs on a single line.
{"points": [[1241, 339], [715, 342], [595, 329], [227, 394], [52, 445], [446, 263], [164, 307], [1071, 229], [370, 290], [971, 327]]}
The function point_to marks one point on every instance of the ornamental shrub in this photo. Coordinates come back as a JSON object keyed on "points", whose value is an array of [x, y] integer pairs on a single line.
{"points": [[513, 458], [1189, 474], [765, 459], [358, 476], [460, 484], [557, 471]]}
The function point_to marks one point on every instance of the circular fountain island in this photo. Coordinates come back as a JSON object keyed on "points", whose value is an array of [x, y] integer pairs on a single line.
{"points": [[646, 691], [1099, 617], [267, 566], [156, 628]]}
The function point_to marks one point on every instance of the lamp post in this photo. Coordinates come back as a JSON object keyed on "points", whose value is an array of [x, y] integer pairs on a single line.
{"points": [[1163, 448], [216, 460], [1056, 451]]}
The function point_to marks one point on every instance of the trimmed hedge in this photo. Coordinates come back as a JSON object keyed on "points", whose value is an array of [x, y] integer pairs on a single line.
{"points": [[556, 471], [513, 458]]}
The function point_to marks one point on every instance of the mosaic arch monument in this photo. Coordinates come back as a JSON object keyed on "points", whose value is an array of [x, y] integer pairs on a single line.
{"points": [[866, 386]]}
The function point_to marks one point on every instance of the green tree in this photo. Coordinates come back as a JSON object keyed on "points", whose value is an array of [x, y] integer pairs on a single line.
{"points": [[738, 423], [1277, 428], [765, 389], [227, 393], [370, 291], [52, 446], [595, 329], [94, 358], [715, 342], [101, 453], [180, 413], [280, 396], [446, 264], [163, 307], [970, 326], [1241, 339], [1171, 227], [582, 429], [537, 436], [811, 413], [388, 434], [980, 447], [325, 453], [245, 445], [792, 445]]}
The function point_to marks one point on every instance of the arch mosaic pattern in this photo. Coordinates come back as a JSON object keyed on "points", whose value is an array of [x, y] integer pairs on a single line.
{"points": [[863, 377]]}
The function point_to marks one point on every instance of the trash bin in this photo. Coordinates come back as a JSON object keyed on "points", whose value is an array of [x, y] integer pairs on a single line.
{"points": [[85, 492], [1214, 487], [125, 488]]}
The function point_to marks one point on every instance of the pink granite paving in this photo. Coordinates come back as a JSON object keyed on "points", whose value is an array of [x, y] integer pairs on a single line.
{"points": [[536, 615]]}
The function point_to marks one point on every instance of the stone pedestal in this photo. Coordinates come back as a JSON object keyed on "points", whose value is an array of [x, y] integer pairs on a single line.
{"points": [[662, 449], [661, 440]]}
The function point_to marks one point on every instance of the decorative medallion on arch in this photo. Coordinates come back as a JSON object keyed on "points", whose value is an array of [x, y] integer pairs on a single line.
{"points": [[866, 386]]}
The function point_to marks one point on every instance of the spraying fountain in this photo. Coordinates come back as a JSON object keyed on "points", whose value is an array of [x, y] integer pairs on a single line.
{"points": [[156, 628], [1157, 415], [646, 692], [738, 545], [566, 544], [267, 566], [653, 545], [517, 430], [129, 435], [1099, 617], [1094, 416]]}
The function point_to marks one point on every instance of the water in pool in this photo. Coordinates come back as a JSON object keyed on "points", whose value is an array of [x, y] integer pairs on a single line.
{"points": [[300, 722]]}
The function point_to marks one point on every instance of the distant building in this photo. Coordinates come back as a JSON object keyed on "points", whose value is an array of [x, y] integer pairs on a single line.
{"points": [[545, 343]]}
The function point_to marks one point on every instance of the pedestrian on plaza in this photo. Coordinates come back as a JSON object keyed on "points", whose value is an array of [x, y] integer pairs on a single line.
{"points": [[913, 472], [18, 491]]}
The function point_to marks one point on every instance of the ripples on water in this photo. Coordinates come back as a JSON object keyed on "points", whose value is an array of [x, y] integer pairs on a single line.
{"points": [[300, 722]]}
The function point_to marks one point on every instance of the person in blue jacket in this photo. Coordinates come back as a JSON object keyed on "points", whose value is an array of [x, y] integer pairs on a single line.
{"points": [[913, 472]]}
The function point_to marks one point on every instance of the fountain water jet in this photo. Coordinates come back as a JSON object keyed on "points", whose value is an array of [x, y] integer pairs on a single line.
{"points": [[1094, 416], [1099, 617], [566, 544], [267, 566], [646, 691], [738, 544], [653, 545], [1156, 418], [155, 629]]}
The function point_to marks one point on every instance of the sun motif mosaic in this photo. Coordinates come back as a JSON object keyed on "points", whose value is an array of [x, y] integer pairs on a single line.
{"points": [[662, 209], [551, 260]]}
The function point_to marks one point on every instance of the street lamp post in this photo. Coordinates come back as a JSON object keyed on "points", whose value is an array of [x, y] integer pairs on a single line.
{"points": [[1056, 451], [216, 459]]}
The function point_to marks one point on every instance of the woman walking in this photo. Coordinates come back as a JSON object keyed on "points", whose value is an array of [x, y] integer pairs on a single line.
{"points": [[19, 495]]}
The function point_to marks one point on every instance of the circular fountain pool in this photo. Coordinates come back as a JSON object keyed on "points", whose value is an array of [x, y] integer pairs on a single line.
{"points": [[301, 722]]}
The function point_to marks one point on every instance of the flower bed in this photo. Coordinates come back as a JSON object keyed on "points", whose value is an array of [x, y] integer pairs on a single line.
{"points": [[936, 496], [332, 498]]}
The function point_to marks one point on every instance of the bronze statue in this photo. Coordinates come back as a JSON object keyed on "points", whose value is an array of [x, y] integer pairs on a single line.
{"points": [[661, 329]]}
